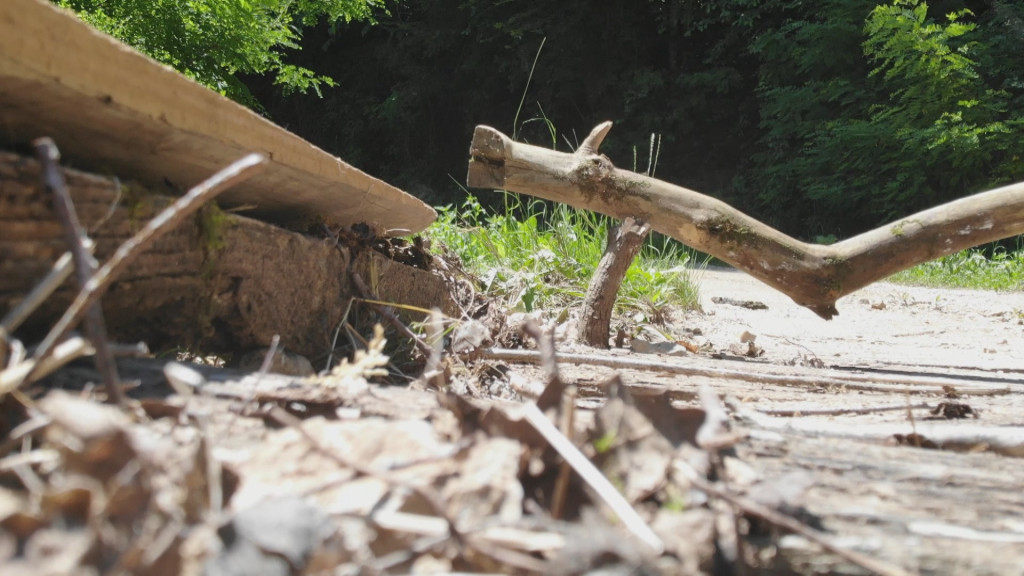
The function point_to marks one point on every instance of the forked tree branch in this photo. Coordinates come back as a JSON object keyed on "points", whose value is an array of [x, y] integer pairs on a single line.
{"points": [[813, 275]]}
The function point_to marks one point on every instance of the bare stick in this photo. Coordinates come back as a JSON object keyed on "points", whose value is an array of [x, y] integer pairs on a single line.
{"points": [[283, 418], [812, 411], [58, 274], [433, 372], [782, 521], [171, 216], [546, 355], [72, 348], [389, 316], [85, 265], [909, 384], [813, 275], [593, 478]]}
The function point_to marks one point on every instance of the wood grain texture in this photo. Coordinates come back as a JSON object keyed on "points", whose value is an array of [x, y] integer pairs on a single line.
{"points": [[223, 284], [114, 110]]}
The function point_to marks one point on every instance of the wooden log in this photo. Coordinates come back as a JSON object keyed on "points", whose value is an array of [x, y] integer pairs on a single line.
{"points": [[111, 109], [813, 275], [220, 282]]}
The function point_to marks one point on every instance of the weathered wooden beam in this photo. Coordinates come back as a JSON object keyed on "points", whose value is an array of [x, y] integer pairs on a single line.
{"points": [[111, 109], [813, 275]]}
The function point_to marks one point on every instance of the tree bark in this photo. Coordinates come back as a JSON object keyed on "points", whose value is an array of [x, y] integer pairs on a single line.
{"points": [[813, 275], [624, 243]]}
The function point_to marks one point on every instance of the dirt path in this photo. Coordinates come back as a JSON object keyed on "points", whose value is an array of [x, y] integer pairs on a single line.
{"points": [[881, 325], [928, 511]]}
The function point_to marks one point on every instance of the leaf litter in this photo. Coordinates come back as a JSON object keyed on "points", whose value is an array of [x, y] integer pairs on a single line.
{"points": [[222, 473]]}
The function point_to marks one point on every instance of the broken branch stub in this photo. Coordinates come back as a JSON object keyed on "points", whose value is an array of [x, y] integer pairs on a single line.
{"points": [[813, 275]]}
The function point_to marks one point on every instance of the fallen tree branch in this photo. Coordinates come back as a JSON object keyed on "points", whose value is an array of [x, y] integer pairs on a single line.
{"points": [[813, 275], [903, 384]]}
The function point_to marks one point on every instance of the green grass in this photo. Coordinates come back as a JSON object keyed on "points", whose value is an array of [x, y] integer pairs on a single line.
{"points": [[1001, 270], [538, 256]]}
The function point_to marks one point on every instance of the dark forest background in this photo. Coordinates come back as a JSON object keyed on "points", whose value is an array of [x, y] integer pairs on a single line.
{"points": [[822, 117]]}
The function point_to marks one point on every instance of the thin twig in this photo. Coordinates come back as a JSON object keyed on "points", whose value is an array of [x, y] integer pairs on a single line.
{"points": [[283, 418], [112, 209], [85, 265], [568, 422], [433, 373], [1005, 440], [786, 522], [337, 331], [840, 411], [388, 315], [909, 384], [168, 219], [58, 274], [546, 355], [268, 358], [11, 378], [593, 478], [268, 361]]}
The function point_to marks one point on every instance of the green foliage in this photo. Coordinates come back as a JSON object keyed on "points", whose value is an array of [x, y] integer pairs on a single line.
{"points": [[415, 85], [822, 118], [998, 270], [913, 123], [213, 41], [536, 256]]}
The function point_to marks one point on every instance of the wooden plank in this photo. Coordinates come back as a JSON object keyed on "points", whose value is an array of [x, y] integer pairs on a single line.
{"points": [[112, 109]]}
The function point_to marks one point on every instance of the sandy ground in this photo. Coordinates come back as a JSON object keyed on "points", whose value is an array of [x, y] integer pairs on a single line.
{"points": [[880, 325], [927, 511]]}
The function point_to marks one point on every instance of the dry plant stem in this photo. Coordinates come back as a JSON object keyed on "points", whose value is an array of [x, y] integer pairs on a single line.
{"points": [[57, 275], [433, 372], [268, 358], [841, 411], [85, 265], [624, 243], [66, 351], [171, 216], [545, 353], [593, 478], [787, 523], [813, 275], [16, 436], [334, 339], [909, 384], [568, 422], [566, 408], [510, 558], [959, 437], [283, 418], [389, 315]]}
